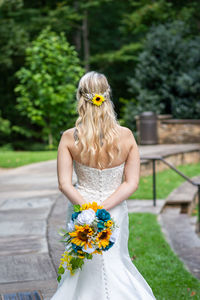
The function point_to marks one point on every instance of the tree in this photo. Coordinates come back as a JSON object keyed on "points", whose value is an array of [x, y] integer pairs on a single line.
{"points": [[47, 84], [167, 77]]}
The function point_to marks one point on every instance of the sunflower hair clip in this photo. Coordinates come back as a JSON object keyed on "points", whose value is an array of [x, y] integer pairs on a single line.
{"points": [[96, 99]]}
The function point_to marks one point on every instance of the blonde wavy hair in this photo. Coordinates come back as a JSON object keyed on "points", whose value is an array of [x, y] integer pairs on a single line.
{"points": [[96, 125]]}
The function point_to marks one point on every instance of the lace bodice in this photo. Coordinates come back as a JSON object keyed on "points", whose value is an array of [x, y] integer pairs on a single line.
{"points": [[98, 182], [96, 179]]}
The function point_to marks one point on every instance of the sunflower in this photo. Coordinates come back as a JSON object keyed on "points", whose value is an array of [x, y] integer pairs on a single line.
{"points": [[98, 99], [92, 205], [81, 236], [103, 237], [97, 251], [109, 223]]}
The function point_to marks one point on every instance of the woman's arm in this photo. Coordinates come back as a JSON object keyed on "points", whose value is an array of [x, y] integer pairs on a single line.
{"points": [[131, 176], [65, 169]]}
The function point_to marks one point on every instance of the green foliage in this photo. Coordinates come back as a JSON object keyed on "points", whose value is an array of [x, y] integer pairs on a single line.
{"points": [[167, 77], [61, 270], [47, 83], [129, 111], [4, 125], [76, 207], [116, 32], [143, 14], [77, 263]]}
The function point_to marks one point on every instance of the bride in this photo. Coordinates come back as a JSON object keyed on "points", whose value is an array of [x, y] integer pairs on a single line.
{"points": [[106, 160]]}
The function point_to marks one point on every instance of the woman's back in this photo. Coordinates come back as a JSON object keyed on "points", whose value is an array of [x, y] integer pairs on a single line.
{"points": [[124, 144]]}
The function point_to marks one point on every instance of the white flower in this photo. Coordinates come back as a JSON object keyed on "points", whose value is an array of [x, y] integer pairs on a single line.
{"points": [[114, 235], [88, 250], [86, 216], [70, 226]]}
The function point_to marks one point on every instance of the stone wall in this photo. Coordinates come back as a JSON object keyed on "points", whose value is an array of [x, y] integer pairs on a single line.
{"points": [[176, 131], [176, 159]]}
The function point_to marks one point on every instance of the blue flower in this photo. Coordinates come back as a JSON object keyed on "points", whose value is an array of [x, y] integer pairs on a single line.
{"points": [[100, 225], [103, 214], [76, 248], [75, 215]]}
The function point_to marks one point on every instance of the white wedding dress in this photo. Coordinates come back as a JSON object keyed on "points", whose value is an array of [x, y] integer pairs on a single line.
{"points": [[112, 275]]}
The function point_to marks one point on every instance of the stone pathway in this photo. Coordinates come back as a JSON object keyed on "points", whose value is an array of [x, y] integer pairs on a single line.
{"points": [[179, 231], [136, 205], [27, 197], [167, 149], [32, 209]]}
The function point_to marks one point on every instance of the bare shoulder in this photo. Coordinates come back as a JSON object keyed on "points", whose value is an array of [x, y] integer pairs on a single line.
{"points": [[126, 130], [68, 132], [67, 135], [128, 134]]}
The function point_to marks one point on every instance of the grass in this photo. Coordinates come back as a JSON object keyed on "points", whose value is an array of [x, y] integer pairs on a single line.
{"points": [[195, 210], [166, 181], [157, 263], [13, 159]]}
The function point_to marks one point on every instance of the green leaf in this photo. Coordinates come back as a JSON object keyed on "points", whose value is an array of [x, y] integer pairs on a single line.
{"points": [[61, 270], [77, 207], [62, 231], [59, 278], [89, 256]]}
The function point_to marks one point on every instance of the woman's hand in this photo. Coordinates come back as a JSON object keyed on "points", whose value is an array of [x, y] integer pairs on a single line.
{"points": [[105, 206]]}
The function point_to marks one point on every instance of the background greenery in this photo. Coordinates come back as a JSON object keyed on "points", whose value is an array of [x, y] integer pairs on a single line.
{"points": [[149, 51]]}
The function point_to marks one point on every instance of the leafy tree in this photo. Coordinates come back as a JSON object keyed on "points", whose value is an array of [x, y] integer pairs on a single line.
{"points": [[108, 35], [47, 84], [167, 77], [4, 125]]}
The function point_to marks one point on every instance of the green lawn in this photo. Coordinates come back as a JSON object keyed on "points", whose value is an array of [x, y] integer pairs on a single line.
{"points": [[12, 159], [195, 210], [157, 263], [166, 181]]}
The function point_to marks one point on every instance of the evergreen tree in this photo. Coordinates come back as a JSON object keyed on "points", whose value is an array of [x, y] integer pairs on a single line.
{"points": [[167, 77]]}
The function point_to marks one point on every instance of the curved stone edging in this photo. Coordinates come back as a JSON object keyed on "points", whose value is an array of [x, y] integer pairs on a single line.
{"points": [[180, 234]]}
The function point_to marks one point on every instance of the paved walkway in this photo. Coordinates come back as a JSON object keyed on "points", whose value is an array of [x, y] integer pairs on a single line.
{"points": [[180, 233], [27, 197], [32, 209]]}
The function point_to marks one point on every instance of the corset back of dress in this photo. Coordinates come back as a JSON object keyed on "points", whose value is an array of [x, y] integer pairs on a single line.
{"points": [[96, 182]]}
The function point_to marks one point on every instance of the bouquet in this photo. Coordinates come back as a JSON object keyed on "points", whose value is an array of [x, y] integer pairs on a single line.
{"points": [[91, 230]]}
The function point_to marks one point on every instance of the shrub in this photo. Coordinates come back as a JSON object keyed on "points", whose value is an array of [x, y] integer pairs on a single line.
{"points": [[167, 76]]}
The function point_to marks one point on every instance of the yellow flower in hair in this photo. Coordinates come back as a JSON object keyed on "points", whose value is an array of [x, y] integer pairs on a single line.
{"points": [[98, 99]]}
